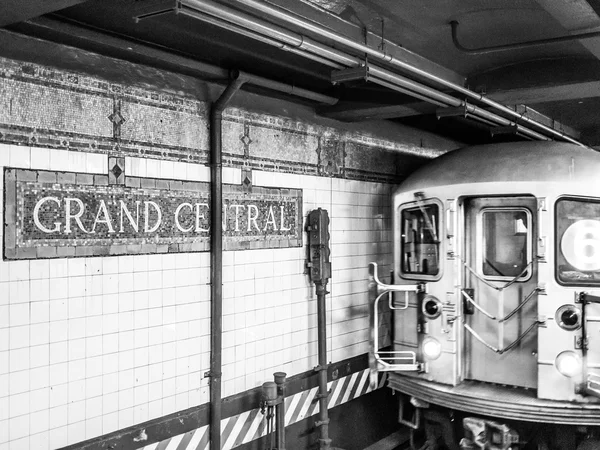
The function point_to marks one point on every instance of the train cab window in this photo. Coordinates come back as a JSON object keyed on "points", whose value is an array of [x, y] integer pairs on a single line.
{"points": [[578, 241], [506, 243], [420, 244]]}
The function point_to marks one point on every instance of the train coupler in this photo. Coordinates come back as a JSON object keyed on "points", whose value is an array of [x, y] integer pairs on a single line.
{"points": [[486, 434], [417, 404]]}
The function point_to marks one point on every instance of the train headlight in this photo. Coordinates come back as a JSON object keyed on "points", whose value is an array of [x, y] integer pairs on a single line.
{"points": [[568, 317], [581, 245], [568, 363], [431, 307], [432, 349]]}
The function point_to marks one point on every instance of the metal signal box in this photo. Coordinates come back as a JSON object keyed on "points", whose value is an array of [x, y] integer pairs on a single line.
{"points": [[318, 243]]}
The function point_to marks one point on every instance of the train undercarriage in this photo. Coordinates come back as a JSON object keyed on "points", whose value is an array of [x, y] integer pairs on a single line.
{"points": [[482, 416]]}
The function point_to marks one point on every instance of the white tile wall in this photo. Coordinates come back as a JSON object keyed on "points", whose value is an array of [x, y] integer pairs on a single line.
{"points": [[92, 345]]}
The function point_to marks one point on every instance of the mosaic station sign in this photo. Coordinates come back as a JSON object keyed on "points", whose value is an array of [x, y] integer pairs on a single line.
{"points": [[119, 219]]}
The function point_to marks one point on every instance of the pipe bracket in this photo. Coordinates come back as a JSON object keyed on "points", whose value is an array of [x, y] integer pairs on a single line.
{"points": [[212, 374], [351, 74], [320, 396], [320, 423]]}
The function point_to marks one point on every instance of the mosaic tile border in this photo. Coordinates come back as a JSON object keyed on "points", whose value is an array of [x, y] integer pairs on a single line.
{"points": [[102, 117]]}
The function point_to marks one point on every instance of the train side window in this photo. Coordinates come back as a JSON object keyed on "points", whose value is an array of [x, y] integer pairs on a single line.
{"points": [[578, 241], [420, 242], [506, 243]]}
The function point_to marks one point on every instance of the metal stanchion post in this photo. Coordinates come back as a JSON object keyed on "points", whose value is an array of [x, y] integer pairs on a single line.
{"points": [[273, 406]]}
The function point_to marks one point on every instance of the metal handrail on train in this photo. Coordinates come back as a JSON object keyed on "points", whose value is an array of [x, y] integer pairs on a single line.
{"points": [[509, 347], [468, 298], [501, 349], [391, 360], [493, 286]]}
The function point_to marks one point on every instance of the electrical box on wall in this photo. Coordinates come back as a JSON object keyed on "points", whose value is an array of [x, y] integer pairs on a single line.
{"points": [[318, 243]]}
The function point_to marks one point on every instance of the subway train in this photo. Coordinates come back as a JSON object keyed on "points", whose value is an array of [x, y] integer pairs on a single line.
{"points": [[495, 299]]}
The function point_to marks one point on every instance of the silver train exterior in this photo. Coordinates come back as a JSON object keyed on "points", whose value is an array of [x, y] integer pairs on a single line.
{"points": [[497, 278]]}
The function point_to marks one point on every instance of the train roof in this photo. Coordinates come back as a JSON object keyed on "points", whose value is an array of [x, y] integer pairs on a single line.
{"points": [[509, 162]]}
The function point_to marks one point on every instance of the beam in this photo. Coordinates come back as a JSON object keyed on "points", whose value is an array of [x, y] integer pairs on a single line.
{"points": [[540, 81], [14, 11], [549, 93], [526, 111], [592, 138], [351, 112]]}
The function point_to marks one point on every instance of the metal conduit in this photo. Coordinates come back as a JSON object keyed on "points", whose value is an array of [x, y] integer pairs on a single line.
{"points": [[481, 114], [263, 28], [328, 34], [448, 100], [380, 75], [310, 47], [523, 132], [216, 255]]}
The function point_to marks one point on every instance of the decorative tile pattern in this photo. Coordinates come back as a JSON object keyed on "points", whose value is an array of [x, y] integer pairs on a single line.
{"points": [[116, 170], [49, 108], [246, 140], [116, 118], [331, 156], [247, 180]]}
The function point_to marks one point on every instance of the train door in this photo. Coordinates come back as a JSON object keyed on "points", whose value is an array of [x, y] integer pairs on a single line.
{"points": [[500, 287]]}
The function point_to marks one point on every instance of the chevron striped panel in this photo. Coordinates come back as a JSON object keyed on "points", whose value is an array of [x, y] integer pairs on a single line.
{"points": [[251, 425]]}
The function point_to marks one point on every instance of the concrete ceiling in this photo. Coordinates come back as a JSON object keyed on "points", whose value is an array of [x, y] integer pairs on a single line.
{"points": [[557, 83], [14, 11]]}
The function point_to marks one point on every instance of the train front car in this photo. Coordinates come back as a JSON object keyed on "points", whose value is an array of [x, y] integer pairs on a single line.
{"points": [[496, 335]]}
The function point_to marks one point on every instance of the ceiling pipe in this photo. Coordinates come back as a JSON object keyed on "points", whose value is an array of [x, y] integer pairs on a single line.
{"points": [[319, 30], [377, 74], [259, 37], [446, 100], [516, 45], [480, 114]]}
